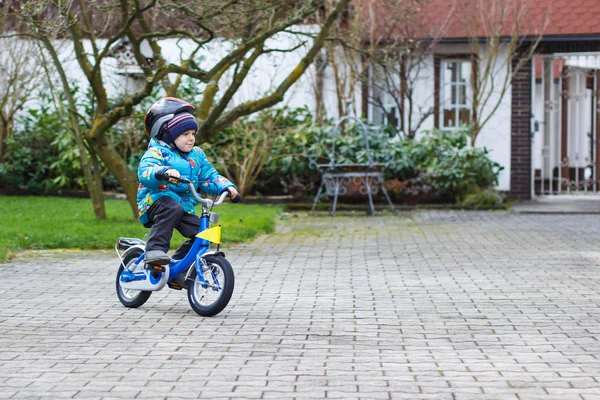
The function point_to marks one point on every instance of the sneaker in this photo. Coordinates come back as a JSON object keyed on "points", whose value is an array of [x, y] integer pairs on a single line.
{"points": [[156, 257], [180, 280]]}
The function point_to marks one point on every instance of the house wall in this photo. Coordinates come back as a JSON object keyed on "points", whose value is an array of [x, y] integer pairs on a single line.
{"points": [[267, 73], [496, 133]]}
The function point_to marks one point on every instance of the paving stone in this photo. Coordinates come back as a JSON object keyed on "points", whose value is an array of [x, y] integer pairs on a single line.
{"points": [[422, 305]]}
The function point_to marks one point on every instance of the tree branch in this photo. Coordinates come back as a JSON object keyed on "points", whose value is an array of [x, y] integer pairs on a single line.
{"points": [[277, 96], [238, 79]]}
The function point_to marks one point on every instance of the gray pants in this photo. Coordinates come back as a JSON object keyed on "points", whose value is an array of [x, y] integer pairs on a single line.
{"points": [[165, 215]]}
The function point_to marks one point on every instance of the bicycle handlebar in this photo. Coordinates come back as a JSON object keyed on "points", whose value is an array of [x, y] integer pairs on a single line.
{"points": [[208, 203]]}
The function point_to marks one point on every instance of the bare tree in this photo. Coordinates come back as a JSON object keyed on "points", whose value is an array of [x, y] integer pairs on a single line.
{"points": [[245, 24], [376, 44], [399, 61], [395, 79], [503, 37], [20, 74], [242, 154], [347, 52]]}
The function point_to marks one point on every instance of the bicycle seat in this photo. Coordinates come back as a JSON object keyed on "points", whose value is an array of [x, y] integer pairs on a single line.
{"points": [[125, 243]]}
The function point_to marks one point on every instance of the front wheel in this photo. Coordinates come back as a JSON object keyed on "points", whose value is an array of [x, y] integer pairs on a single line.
{"points": [[128, 297], [210, 297]]}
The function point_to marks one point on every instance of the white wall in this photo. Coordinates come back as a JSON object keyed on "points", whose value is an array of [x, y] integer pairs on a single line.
{"points": [[495, 135], [269, 71]]}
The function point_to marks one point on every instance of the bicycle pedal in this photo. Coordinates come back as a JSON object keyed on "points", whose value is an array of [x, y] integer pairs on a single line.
{"points": [[174, 286], [158, 268]]}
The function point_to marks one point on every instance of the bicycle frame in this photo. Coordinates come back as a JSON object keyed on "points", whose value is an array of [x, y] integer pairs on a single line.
{"points": [[142, 279], [198, 249]]}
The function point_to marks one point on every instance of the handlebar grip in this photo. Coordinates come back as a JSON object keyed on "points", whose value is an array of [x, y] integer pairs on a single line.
{"points": [[161, 175], [236, 199]]}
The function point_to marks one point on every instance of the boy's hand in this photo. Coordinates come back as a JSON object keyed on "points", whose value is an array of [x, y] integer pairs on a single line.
{"points": [[173, 173], [234, 195], [232, 192]]}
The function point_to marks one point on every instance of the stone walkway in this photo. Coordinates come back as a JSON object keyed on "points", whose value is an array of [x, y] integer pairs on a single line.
{"points": [[424, 305], [564, 203]]}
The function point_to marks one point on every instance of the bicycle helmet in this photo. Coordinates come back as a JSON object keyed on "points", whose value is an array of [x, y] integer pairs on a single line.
{"points": [[164, 111]]}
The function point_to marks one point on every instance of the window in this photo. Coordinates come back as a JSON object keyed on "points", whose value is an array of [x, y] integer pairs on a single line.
{"points": [[386, 116], [384, 109], [455, 95]]}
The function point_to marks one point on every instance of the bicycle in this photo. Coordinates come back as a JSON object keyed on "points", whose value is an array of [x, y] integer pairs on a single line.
{"points": [[206, 272]]}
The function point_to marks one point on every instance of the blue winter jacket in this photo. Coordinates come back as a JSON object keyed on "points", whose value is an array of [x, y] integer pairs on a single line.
{"points": [[193, 166]]}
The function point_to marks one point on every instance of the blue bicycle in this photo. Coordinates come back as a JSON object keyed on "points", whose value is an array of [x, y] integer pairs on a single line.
{"points": [[207, 275]]}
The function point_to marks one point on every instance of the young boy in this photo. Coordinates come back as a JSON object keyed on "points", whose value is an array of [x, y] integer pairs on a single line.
{"points": [[164, 206]]}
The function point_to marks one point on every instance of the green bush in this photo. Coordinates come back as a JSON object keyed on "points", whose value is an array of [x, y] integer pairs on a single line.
{"points": [[273, 152], [291, 167], [350, 146], [39, 157], [264, 153], [445, 161], [437, 166], [476, 197], [42, 156]]}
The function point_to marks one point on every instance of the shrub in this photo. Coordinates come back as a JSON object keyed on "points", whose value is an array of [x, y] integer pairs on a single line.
{"points": [[437, 166], [42, 156], [263, 152], [445, 161], [479, 197], [38, 157]]}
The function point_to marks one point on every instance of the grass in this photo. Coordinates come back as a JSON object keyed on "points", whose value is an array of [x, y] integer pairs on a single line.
{"points": [[69, 223]]}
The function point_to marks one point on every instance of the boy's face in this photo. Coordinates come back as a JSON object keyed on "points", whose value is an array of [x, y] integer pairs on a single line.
{"points": [[185, 142]]}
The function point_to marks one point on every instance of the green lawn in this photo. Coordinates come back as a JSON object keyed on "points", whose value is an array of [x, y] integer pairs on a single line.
{"points": [[69, 223]]}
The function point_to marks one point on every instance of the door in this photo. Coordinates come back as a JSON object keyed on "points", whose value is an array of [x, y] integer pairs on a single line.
{"points": [[564, 128]]}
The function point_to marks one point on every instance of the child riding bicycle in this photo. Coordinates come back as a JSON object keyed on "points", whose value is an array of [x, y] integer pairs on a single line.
{"points": [[167, 205]]}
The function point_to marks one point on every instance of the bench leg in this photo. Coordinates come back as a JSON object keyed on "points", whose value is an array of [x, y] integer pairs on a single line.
{"points": [[317, 197], [368, 185], [386, 196], [335, 197]]}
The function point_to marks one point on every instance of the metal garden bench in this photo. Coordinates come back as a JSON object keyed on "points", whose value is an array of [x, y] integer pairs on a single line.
{"points": [[339, 179]]}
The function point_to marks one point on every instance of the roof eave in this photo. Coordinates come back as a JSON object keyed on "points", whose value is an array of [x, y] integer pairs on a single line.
{"points": [[546, 38]]}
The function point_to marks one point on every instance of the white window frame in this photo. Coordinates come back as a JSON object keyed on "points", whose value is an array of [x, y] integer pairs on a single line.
{"points": [[456, 88]]}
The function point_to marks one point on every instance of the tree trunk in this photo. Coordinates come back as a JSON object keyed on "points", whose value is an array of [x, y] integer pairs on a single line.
{"points": [[126, 177], [474, 132], [403, 92], [96, 193], [319, 84], [98, 199], [93, 178], [3, 137]]}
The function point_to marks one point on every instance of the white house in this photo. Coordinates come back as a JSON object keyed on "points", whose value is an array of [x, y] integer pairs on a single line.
{"points": [[544, 130]]}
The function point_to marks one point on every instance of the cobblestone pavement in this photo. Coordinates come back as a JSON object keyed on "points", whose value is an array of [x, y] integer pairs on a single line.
{"points": [[428, 305]]}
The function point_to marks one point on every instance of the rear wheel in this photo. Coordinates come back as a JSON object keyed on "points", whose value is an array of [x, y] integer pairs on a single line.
{"points": [[129, 297], [212, 296]]}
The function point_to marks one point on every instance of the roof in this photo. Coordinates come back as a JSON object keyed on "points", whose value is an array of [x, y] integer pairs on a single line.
{"points": [[451, 19]]}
